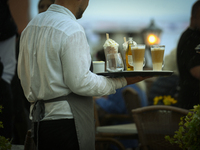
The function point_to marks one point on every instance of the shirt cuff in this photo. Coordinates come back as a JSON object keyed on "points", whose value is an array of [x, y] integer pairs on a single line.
{"points": [[124, 82], [121, 82]]}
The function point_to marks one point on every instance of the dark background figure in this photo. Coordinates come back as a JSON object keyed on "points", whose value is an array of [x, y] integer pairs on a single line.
{"points": [[22, 123], [1, 68], [43, 5], [164, 86], [21, 107], [189, 61], [8, 31]]}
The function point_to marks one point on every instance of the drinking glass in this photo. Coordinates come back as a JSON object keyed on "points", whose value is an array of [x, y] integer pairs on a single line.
{"points": [[138, 52], [114, 62], [157, 54]]}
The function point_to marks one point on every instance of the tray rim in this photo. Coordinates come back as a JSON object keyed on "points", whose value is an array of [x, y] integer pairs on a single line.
{"points": [[137, 73]]}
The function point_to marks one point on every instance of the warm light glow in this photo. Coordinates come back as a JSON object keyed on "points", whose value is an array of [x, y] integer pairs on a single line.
{"points": [[152, 39]]}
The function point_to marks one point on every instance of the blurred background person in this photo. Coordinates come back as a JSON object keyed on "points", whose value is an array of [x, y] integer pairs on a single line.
{"points": [[43, 5], [8, 31], [1, 68], [22, 122], [188, 61], [115, 104]]}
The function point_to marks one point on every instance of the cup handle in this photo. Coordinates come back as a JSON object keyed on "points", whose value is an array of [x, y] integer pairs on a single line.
{"points": [[163, 63], [144, 62]]}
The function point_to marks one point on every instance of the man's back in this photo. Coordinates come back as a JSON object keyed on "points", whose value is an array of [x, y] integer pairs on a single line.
{"points": [[187, 58], [44, 67], [45, 70]]}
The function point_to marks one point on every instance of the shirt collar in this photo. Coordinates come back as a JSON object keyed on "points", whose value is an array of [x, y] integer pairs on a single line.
{"points": [[61, 9]]}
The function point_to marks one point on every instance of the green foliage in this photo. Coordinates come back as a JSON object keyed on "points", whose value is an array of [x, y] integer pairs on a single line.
{"points": [[1, 124], [5, 144], [188, 134]]}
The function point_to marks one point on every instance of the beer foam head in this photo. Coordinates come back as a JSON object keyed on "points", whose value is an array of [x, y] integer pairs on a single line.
{"points": [[138, 46], [158, 47], [111, 43]]}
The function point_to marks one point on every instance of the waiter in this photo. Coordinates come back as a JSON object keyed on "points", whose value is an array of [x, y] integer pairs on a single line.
{"points": [[53, 67]]}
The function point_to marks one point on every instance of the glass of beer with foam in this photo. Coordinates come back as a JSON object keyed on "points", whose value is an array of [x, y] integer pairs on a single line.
{"points": [[157, 55]]}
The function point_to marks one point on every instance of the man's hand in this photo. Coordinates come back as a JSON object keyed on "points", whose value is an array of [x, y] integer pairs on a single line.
{"points": [[132, 80], [195, 72]]}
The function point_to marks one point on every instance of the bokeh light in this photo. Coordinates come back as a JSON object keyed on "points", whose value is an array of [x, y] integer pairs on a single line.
{"points": [[152, 39]]}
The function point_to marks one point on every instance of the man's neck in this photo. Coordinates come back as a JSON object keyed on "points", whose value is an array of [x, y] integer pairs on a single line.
{"points": [[71, 5]]}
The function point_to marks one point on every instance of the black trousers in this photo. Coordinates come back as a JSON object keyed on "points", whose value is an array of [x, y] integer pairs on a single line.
{"points": [[56, 135]]}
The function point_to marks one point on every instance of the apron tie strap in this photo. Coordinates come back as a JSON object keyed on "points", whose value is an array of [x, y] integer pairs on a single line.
{"points": [[38, 112]]}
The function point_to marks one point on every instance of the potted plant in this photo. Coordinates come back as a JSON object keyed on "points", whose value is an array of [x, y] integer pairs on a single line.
{"points": [[188, 134], [5, 144]]}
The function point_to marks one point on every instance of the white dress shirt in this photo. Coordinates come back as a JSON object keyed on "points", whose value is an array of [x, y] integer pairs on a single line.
{"points": [[54, 60]]}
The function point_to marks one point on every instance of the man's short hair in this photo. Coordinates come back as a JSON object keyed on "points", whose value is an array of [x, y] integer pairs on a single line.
{"points": [[195, 8]]}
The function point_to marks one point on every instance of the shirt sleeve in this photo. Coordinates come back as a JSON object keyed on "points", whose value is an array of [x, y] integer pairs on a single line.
{"points": [[76, 61]]}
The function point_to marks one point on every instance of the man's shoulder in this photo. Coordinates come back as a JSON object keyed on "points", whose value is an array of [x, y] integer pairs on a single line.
{"points": [[66, 24], [189, 39], [58, 22]]}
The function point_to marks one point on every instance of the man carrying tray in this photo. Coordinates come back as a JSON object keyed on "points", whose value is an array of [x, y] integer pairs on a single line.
{"points": [[53, 67]]}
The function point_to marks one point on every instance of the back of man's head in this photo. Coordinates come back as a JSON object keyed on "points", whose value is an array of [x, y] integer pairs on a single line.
{"points": [[195, 8]]}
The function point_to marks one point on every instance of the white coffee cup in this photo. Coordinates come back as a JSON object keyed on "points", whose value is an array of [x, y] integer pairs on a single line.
{"points": [[98, 66]]}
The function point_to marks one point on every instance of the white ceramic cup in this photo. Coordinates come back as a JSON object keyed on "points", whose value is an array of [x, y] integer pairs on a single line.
{"points": [[98, 66]]}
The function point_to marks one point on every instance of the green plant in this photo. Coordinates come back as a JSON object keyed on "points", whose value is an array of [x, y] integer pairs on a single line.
{"points": [[188, 134], [5, 144]]}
